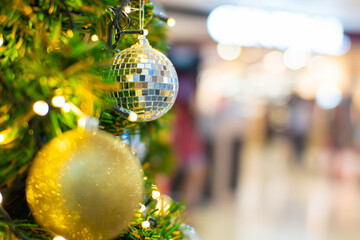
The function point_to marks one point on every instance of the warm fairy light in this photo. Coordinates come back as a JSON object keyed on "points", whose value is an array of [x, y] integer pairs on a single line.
{"points": [[66, 107], [155, 194], [58, 101], [133, 117], [142, 208], [82, 122], [171, 22], [59, 238], [41, 108], [145, 178], [145, 224], [127, 9], [2, 138], [1, 40], [1, 198], [94, 38]]}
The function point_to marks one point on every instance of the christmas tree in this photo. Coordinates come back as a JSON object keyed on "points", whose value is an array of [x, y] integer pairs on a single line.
{"points": [[57, 79]]}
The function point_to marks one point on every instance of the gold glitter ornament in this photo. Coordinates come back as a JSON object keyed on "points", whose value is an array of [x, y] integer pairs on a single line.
{"points": [[146, 81], [84, 185]]}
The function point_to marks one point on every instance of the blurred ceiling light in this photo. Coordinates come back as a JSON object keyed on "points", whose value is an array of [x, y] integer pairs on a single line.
{"points": [[228, 52], [274, 63], [295, 59], [328, 96], [245, 26]]}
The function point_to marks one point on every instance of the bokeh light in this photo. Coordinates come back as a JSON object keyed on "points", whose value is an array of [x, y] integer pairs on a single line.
{"points": [[127, 9], [171, 22], [306, 87], [59, 238], [94, 38], [228, 52], [274, 63], [66, 107], [295, 58], [328, 96], [41, 108], [319, 66], [58, 101]]}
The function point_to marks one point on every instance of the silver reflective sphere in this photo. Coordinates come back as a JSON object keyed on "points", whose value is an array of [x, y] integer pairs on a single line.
{"points": [[146, 81]]}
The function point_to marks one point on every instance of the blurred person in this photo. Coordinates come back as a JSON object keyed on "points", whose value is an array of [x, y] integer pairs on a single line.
{"points": [[300, 123], [190, 178]]}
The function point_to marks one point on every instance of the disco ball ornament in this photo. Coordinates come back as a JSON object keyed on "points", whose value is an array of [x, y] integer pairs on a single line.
{"points": [[85, 185], [146, 81]]}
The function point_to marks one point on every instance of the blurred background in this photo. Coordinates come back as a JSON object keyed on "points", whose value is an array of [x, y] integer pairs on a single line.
{"points": [[266, 129]]}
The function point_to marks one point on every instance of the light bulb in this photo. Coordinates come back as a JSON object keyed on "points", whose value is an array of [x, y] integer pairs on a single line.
{"points": [[58, 101], [155, 194], [142, 208], [59, 238], [171, 22], [82, 122], [41, 108], [145, 224], [66, 107], [94, 38], [2, 138], [1, 40], [127, 9], [1, 198]]}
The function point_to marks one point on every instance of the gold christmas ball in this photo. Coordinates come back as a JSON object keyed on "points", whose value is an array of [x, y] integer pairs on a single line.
{"points": [[84, 185], [146, 81]]}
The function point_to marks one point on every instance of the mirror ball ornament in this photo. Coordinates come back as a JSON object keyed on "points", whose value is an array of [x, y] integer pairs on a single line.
{"points": [[146, 81], [85, 185]]}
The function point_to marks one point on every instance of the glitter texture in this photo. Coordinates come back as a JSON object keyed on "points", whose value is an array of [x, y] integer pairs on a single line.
{"points": [[146, 81], [85, 185]]}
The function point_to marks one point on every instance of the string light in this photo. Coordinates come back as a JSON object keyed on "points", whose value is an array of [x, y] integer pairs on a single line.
{"points": [[41, 108], [58, 101], [145, 224], [94, 38], [1, 197], [66, 107], [1, 40], [155, 194], [82, 122], [142, 208], [127, 9], [59, 238], [171, 22], [2, 138]]}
